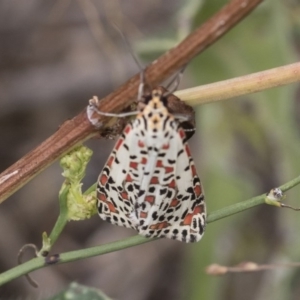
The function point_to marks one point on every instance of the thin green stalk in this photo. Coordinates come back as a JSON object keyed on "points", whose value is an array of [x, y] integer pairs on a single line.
{"points": [[62, 218], [41, 262], [60, 224], [61, 221], [235, 208]]}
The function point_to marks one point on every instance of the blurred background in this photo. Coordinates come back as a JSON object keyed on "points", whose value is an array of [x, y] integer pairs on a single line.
{"points": [[55, 55]]}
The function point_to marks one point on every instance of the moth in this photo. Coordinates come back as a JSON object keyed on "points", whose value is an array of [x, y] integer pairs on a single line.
{"points": [[149, 182]]}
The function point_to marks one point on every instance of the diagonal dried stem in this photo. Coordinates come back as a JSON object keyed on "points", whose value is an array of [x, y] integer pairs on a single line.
{"points": [[79, 129]]}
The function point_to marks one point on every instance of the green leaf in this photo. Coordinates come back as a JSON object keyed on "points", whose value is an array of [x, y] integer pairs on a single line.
{"points": [[80, 292]]}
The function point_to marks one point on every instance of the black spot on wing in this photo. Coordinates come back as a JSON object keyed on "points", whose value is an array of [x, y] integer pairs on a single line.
{"points": [[185, 213], [162, 154], [179, 152], [114, 188], [168, 178], [190, 190], [169, 194], [132, 156], [162, 191], [111, 181], [145, 122], [141, 193], [189, 129], [171, 161], [165, 122], [187, 197], [152, 189], [154, 216], [106, 170]]}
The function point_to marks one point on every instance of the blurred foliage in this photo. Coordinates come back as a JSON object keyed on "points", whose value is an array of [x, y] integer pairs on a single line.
{"points": [[79, 292]]}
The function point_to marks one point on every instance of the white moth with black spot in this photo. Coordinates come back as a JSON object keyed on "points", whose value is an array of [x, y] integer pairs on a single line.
{"points": [[149, 182]]}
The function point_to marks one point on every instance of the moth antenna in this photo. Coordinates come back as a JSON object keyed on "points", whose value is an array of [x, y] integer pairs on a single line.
{"points": [[175, 82], [126, 41], [135, 58]]}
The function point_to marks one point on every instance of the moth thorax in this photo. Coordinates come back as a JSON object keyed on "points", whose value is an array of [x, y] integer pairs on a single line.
{"points": [[156, 117]]}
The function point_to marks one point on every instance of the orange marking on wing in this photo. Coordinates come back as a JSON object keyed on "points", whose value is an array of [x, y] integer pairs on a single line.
{"points": [[174, 202], [189, 217], [187, 150], [182, 134], [143, 215], [159, 164], [119, 143], [127, 129], [161, 225], [169, 170], [141, 144], [101, 197], [133, 165], [150, 199], [154, 180], [111, 207], [128, 178], [124, 195], [172, 184], [110, 161], [194, 172], [103, 179], [166, 146], [197, 190], [143, 160]]}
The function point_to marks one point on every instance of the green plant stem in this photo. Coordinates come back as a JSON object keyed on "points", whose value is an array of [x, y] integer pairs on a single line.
{"points": [[90, 189], [62, 218], [59, 224], [235, 208], [61, 221], [41, 262]]}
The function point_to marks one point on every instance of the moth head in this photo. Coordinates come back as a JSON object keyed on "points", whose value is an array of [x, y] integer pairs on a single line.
{"points": [[156, 98]]}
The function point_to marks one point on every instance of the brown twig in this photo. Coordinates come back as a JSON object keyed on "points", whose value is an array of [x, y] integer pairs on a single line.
{"points": [[79, 129], [246, 267]]}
